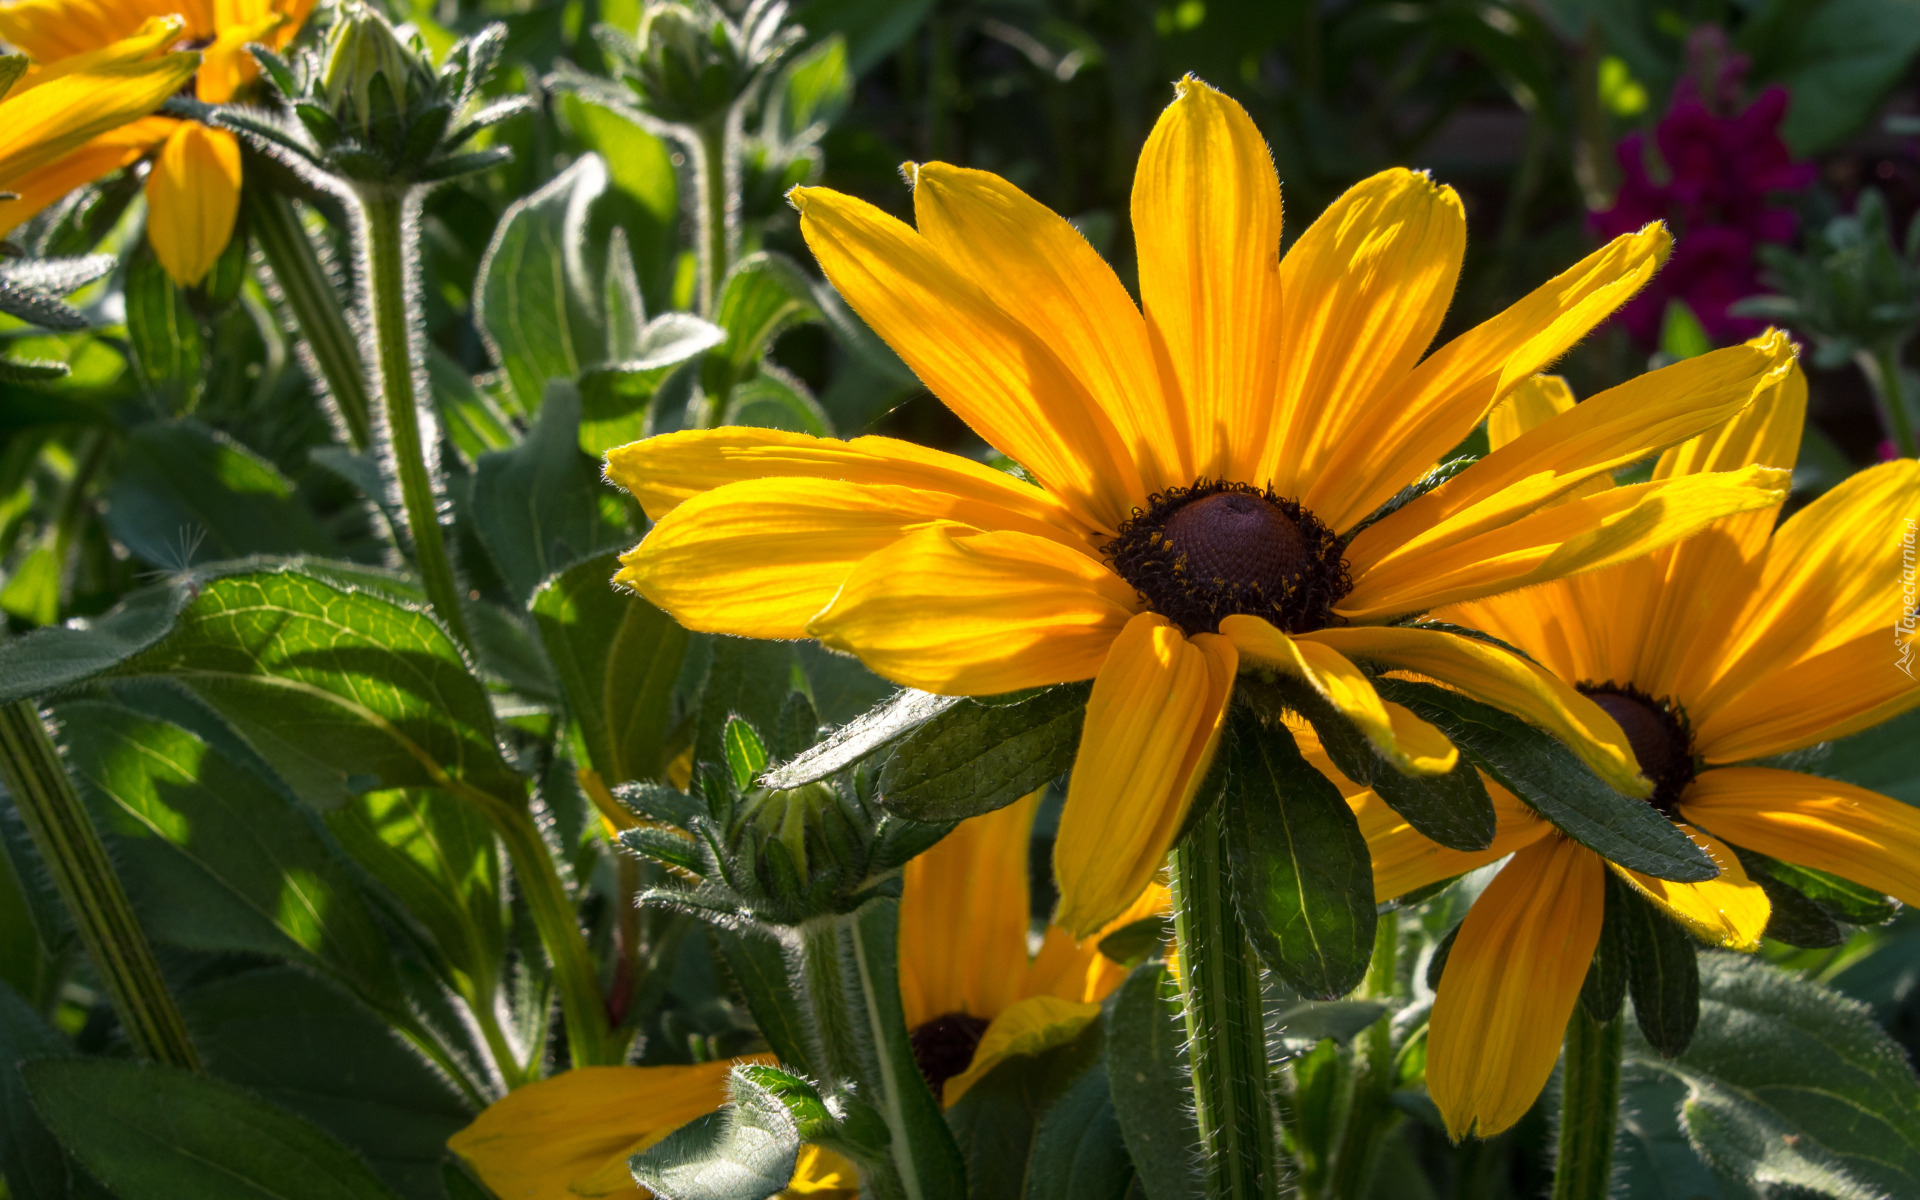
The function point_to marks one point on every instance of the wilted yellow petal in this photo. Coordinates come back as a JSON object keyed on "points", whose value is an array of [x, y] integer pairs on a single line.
{"points": [[193, 196], [1031, 1026]]}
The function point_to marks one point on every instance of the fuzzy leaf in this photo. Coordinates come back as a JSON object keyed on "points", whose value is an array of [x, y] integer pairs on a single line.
{"points": [[1148, 1076], [973, 758], [893, 719], [46, 660]]}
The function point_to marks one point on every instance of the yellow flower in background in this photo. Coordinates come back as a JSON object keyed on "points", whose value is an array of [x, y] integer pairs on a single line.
{"points": [[50, 112], [571, 1135], [1741, 643], [972, 997], [1190, 475], [193, 190]]}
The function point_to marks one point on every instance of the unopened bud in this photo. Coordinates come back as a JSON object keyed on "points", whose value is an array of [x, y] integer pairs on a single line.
{"points": [[361, 49]]}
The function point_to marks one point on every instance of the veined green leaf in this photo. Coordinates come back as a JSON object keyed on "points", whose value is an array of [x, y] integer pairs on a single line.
{"points": [[1147, 1074], [746, 1151], [32, 1161], [1078, 1152], [973, 758], [162, 1133], [1536, 767], [995, 1123], [46, 660], [343, 692]]}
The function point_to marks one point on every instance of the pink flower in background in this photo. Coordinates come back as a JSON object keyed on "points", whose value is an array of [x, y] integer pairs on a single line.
{"points": [[1724, 171]]}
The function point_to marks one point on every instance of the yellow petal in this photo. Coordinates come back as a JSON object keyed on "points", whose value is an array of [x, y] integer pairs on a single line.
{"points": [[1206, 225], [1504, 680], [1831, 575], [1704, 580], [1729, 911], [1851, 687], [1820, 823], [577, 1129], [1447, 395], [665, 471], [821, 1172], [1533, 402], [1042, 272], [1152, 723], [1363, 292], [193, 196], [1586, 534], [994, 372], [1618, 427], [1510, 984], [964, 916], [977, 614], [1075, 969], [1032, 1026], [1406, 860], [1424, 750], [760, 558], [64, 38], [1548, 622], [108, 152], [43, 123], [228, 65]]}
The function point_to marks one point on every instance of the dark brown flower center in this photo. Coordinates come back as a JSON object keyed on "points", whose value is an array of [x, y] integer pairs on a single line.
{"points": [[944, 1046], [1657, 731], [1202, 553]]}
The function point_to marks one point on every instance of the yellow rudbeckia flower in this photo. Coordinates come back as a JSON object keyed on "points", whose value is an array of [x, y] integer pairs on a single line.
{"points": [[972, 998], [50, 111], [1200, 471], [193, 190], [1744, 642]]}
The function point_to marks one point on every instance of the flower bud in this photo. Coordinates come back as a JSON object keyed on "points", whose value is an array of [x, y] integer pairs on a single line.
{"points": [[362, 48], [689, 62]]}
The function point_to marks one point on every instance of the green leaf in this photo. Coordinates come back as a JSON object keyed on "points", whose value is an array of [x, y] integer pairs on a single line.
{"points": [[1793, 918], [995, 1123], [538, 299], [645, 185], [1791, 1084], [215, 858], [35, 1166], [342, 691], [758, 964], [815, 89], [746, 1151], [1302, 877], [1604, 990], [345, 1071], [764, 295], [901, 714], [848, 1127], [746, 679], [1078, 1152], [973, 758], [472, 417], [1147, 1075], [46, 660], [746, 753], [169, 350], [1304, 1024], [1541, 771], [1842, 60], [1452, 809], [617, 658], [185, 493], [541, 507], [1663, 973], [161, 1133], [773, 399]]}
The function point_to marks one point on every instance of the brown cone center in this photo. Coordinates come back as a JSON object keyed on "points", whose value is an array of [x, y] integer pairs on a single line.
{"points": [[1658, 739], [944, 1046], [1236, 538]]}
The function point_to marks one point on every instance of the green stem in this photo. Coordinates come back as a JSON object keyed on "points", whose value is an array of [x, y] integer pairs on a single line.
{"points": [[1589, 1108], [1885, 374], [1225, 1025], [828, 997], [1371, 1114], [591, 1039], [71, 849], [712, 182], [315, 307], [387, 269]]}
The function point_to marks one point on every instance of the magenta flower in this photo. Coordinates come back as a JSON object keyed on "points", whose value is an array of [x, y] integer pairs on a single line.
{"points": [[1724, 175]]}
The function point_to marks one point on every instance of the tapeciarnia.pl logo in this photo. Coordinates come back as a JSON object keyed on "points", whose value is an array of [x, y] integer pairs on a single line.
{"points": [[1903, 627]]}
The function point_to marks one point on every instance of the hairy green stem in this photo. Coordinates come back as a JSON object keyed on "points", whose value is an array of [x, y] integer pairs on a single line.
{"points": [[1589, 1108], [315, 306], [591, 1039], [388, 265], [1371, 1114], [828, 998], [1225, 1025], [71, 849], [714, 185], [1883, 371]]}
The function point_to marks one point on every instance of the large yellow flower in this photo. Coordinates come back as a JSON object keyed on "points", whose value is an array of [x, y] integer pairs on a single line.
{"points": [[1741, 643], [1194, 477], [972, 997], [193, 190]]}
